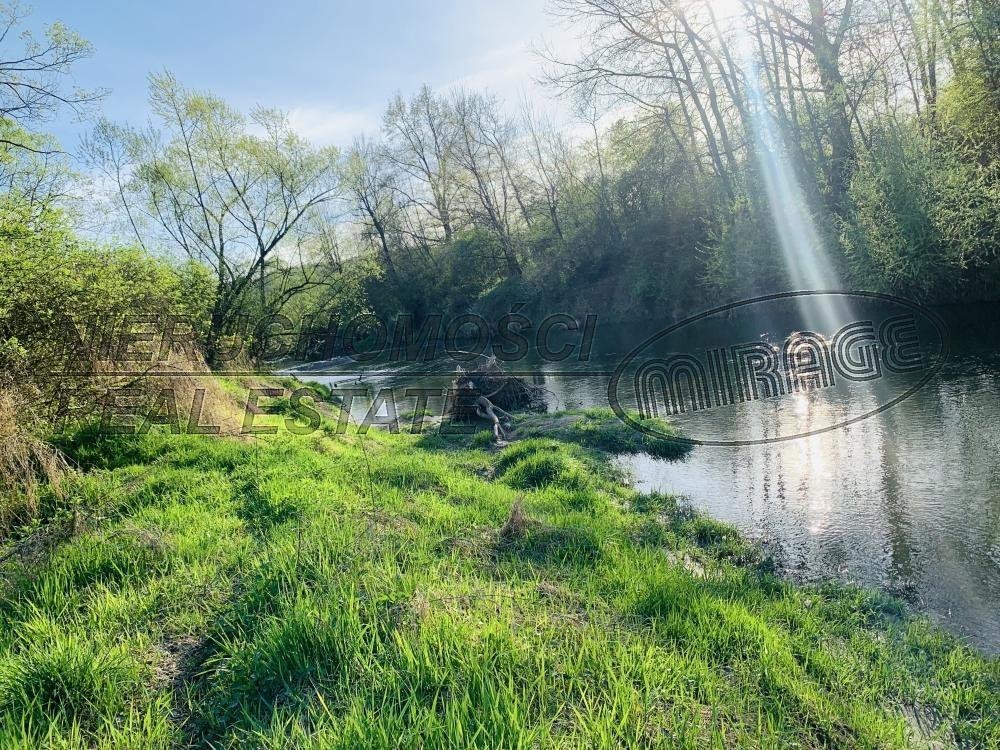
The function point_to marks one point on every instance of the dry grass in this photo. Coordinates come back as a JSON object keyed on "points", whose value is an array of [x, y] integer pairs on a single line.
{"points": [[219, 407], [30, 466], [26, 461], [517, 522]]}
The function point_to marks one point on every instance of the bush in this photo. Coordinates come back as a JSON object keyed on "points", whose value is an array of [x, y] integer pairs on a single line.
{"points": [[64, 302], [924, 220], [535, 463]]}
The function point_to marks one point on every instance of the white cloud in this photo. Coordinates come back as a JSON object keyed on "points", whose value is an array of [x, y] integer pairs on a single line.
{"points": [[499, 68], [326, 125], [509, 70], [512, 71]]}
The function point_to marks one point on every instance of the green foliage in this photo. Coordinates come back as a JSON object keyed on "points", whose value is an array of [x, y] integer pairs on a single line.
{"points": [[61, 298], [64, 305], [969, 114], [249, 183], [631, 244], [447, 280], [925, 222], [743, 255], [342, 300]]}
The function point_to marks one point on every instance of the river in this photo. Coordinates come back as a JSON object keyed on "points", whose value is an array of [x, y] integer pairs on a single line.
{"points": [[907, 500]]}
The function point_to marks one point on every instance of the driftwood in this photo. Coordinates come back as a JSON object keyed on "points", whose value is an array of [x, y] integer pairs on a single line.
{"points": [[490, 394]]}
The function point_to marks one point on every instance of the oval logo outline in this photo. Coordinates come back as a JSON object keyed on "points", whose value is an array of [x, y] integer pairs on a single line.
{"points": [[936, 321]]}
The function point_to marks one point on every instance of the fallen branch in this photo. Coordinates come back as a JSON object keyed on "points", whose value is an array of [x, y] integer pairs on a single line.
{"points": [[488, 393], [486, 410]]}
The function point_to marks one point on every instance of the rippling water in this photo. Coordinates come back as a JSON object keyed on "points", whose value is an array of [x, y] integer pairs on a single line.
{"points": [[907, 500]]}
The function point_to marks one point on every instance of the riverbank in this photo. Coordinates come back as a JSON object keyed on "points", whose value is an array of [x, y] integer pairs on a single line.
{"points": [[416, 591]]}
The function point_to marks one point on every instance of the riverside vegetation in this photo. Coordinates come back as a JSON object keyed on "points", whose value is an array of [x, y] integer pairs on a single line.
{"points": [[170, 589], [401, 590]]}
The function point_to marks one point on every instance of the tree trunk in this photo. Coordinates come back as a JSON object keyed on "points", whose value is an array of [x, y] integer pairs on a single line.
{"points": [[843, 154]]}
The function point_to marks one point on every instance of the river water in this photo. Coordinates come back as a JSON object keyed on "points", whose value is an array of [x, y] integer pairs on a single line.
{"points": [[907, 500]]}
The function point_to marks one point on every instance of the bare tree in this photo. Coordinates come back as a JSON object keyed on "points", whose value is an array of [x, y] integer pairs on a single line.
{"points": [[659, 57], [486, 141], [547, 150], [422, 143], [371, 180]]}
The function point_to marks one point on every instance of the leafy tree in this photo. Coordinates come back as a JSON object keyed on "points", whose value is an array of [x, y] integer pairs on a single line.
{"points": [[64, 304], [33, 78], [243, 195]]}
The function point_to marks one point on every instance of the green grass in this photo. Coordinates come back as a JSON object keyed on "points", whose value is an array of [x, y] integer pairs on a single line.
{"points": [[326, 591], [601, 429]]}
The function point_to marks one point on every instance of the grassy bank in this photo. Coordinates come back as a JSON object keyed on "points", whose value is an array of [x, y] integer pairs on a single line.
{"points": [[600, 429], [330, 591]]}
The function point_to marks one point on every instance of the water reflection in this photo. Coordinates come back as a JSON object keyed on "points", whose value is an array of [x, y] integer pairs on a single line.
{"points": [[908, 499]]}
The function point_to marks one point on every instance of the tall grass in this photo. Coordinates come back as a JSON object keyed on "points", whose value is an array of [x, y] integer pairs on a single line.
{"points": [[27, 463], [295, 592]]}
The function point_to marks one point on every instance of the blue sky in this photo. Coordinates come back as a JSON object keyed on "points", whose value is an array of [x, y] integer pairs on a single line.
{"points": [[331, 65]]}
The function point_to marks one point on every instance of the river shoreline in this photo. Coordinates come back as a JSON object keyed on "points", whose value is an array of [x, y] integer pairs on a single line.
{"points": [[373, 571]]}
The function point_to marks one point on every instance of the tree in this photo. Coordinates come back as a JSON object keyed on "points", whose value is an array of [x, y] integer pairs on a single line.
{"points": [[371, 181], [485, 151], [33, 90], [33, 78], [548, 155], [229, 191], [649, 55], [422, 143]]}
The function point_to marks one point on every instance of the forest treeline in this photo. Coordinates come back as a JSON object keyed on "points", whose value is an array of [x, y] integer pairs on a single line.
{"points": [[883, 119], [885, 114]]}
